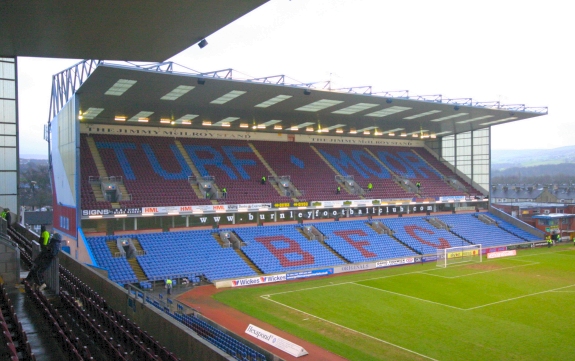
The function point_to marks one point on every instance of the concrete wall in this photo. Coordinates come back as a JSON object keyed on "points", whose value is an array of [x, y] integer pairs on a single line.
{"points": [[9, 262], [516, 222], [174, 336]]}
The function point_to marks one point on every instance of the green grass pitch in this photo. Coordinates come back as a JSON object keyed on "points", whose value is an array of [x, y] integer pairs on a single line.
{"points": [[515, 308]]}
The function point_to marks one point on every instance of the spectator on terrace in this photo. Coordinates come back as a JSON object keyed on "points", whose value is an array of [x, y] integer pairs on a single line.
{"points": [[224, 193], [8, 217], [369, 187], [44, 237], [263, 180], [169, 286], [43, 261]]}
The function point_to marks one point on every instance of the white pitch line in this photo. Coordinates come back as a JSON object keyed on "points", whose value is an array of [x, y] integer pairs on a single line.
{"points": [[410, 273], [351, 329], [478, 273], [415, 298], [363, 280], [516, 298]]}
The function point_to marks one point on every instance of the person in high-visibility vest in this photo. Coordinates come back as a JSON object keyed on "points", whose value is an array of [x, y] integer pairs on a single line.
{"points": [[169, 286], [338, 190], [549, 241], [369, 186], [44, 237], [418, 185], [264, 179], [224, 192]]}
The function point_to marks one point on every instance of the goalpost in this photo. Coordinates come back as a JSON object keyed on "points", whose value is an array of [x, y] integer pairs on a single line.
{"points": [[461, 254]]}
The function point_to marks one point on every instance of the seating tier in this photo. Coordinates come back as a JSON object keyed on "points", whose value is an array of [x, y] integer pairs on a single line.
{"points": [[421, 236], [357, 242], [468, 226]]}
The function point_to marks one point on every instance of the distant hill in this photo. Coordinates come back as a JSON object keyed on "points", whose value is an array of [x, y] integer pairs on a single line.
{"points": [[501, 159], [533, 165], [33, 156]]}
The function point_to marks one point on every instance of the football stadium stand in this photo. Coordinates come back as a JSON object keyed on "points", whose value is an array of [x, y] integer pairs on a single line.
{"points": [[444, 170], [153, 171], [421, 236], [473, 230], [283, 248], [197, 254], [307, 171], [357, 242]]}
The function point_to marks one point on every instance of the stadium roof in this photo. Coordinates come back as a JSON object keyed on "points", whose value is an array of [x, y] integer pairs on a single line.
{"points": [[158, 92], [112, 29]]}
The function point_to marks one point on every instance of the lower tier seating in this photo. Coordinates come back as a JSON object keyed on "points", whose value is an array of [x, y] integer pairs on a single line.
{"points": [[357, 242], [283, 248], [469, 227]]}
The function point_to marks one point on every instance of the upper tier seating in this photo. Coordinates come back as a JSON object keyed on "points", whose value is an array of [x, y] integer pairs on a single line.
{"points": [[422, 236], [356, 161], [236, 167], [429, 158], [357, 242], [282, 248], [153, 169], [88, 169], [469, 227], [155, 172], [407, 164], [307, 171]]}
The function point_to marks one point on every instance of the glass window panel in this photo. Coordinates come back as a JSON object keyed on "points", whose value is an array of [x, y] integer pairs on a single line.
{"points": [[6, 71], [7, 141], [8, 159], [7, 129], [7, 111], [8, 183], [8, 89]]}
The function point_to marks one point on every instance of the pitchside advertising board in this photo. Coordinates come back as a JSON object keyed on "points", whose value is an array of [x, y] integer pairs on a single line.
{"points": [[251, 281], [276, 341]]}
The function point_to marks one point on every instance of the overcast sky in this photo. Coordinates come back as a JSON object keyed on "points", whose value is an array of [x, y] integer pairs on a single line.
{"points": [[518, 52]]}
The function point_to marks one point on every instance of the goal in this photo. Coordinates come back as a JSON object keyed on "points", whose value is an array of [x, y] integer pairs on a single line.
{"points": [[461, 254]]}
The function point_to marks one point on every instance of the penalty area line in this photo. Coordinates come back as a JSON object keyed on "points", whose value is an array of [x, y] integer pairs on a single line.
{"points": [[517, 298], [478, 273], [412, 297], [267, 297]]}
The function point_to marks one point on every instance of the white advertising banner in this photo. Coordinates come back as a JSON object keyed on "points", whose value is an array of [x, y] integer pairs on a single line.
{"points": [[276, 341], [502, 254], [395, 262], [258, 280], [353, 267], [451, 198]]}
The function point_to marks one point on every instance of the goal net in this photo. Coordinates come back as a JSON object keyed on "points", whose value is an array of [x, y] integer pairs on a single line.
{"points": [[461, 254]]}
